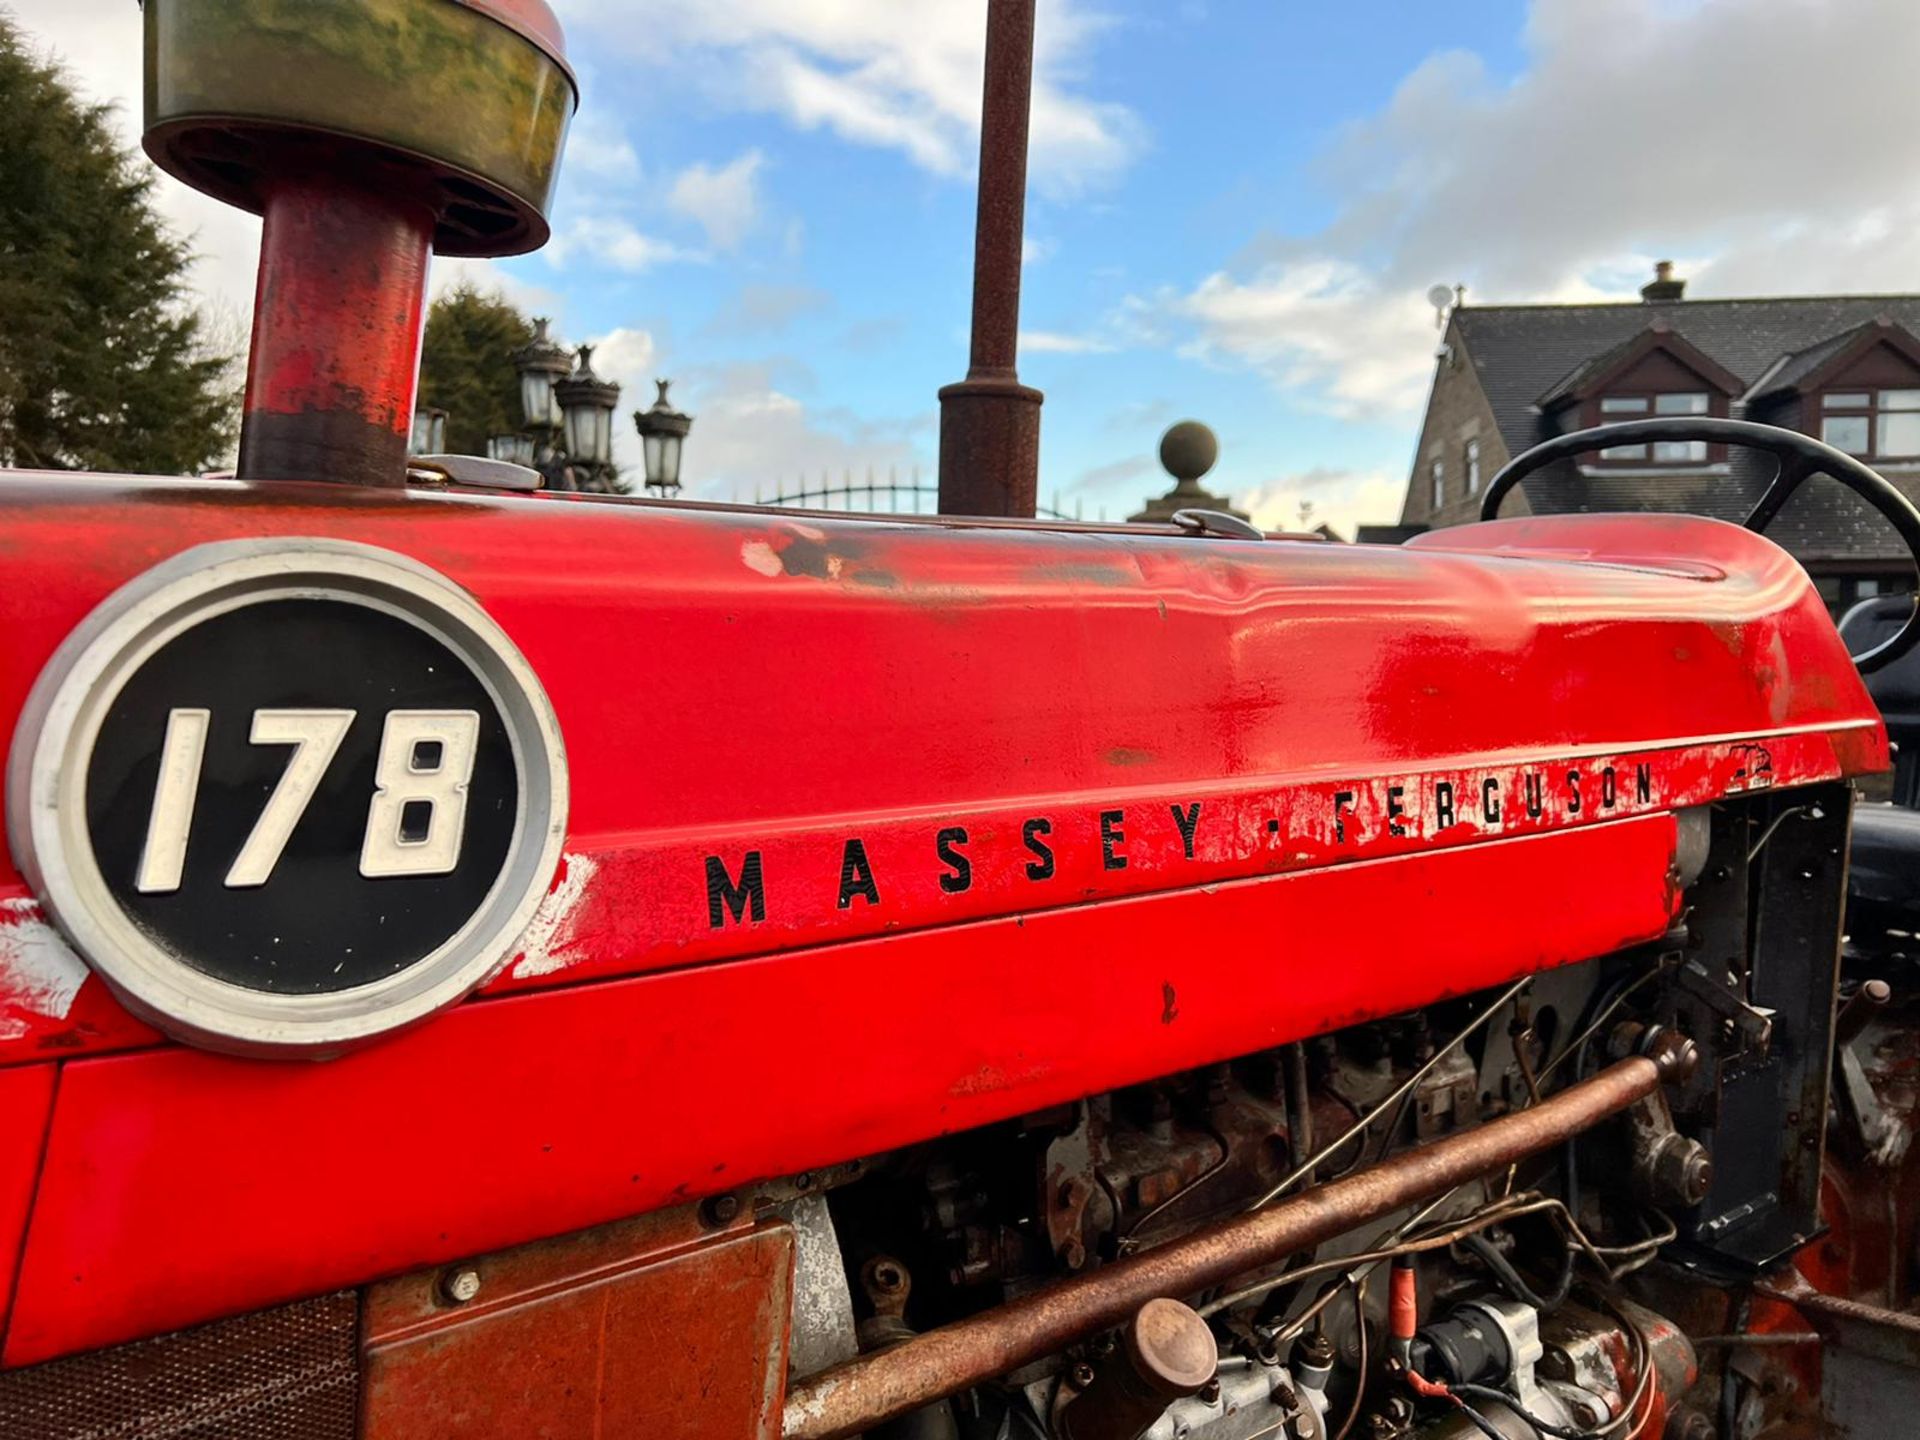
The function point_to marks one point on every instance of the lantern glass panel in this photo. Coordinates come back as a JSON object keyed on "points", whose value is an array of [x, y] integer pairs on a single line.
{"points": [[670, 460], [516, 449], [429, 432], [536, 397], [602, 451], [579, 430], [588, 433], [654, 446]]}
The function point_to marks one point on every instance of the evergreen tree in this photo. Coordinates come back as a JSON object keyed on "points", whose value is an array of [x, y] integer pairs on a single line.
{"points": [[466, 366], [104, 365]]}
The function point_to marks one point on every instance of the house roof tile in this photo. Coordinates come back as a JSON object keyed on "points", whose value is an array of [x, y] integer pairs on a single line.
{"points": [[1524, 354]]}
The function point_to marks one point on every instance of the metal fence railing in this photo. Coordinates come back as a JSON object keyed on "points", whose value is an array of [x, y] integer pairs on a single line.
{"points": [[876, 496]]}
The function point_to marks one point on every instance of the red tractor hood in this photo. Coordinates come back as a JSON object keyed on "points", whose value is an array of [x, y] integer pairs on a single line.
{"points": [[881, 828]]}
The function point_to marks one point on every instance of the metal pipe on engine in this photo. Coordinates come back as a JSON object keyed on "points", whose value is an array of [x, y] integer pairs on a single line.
{"points": [[864, 1392]]}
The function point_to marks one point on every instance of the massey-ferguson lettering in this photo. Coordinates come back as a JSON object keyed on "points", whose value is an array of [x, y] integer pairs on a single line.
{"points": [[477, 962]]}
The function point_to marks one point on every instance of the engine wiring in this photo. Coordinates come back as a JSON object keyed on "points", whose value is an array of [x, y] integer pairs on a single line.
{"points": [[1414, 1236], [1459, 1393], [1393, 1097], [1612, 1261], [1360, 1385]]}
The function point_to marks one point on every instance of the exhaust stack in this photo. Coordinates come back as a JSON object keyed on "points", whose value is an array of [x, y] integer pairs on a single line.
{"points": [[366, 137]]}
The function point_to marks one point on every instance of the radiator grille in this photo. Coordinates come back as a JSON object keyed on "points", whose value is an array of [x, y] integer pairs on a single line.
{"points": [[285, 1374]]}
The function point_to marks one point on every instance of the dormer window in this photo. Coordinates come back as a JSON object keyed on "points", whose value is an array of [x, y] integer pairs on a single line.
{"points": [[1881, 423], [1615, 408]]}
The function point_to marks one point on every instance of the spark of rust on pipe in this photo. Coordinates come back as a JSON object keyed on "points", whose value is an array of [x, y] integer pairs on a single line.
{"points": [[862, 1393], [990, 422]]}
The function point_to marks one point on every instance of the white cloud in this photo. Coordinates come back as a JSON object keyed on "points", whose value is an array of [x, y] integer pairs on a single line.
{"points": [[899, 74], [607, 240], [489, 276], [723, 201], [1054, 342], [752, 435], [1340, 498], [599, 148], [1637, 131], [1322, 326]]}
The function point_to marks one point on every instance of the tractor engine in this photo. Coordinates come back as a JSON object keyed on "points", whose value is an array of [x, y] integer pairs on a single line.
{"points": [[479, 962]]}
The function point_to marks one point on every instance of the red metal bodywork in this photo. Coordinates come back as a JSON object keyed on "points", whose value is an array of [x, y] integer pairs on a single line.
{"points": [[738, 683]]}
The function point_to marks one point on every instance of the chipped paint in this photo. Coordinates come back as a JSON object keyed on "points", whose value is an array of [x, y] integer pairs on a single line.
{"points": [[759, 557], [550, 934], [38, 970]]}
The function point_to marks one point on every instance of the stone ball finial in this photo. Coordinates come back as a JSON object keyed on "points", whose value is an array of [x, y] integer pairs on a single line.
{"points": [[1188, 451]]}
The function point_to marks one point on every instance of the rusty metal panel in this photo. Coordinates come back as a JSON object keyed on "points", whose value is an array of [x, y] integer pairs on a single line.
{"points": [[640, 1328]]}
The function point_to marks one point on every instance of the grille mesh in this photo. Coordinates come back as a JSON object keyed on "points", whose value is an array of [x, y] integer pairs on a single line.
{"points": [[285, 1374]]}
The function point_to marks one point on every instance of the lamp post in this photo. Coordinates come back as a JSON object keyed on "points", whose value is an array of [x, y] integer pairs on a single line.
{"points": [[567, 410], [586, 413], [990, 422], [662, 429]]}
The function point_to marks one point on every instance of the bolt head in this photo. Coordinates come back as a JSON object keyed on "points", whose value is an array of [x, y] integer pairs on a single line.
{"points": [[718, 1210], [457, 1287]]}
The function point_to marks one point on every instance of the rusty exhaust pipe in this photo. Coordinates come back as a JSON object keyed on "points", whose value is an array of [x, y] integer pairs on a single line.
{"points": [[862, 1393]]}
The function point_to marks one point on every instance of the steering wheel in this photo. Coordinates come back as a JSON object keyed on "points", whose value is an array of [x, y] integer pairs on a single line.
{"points": [[1800, 458]]}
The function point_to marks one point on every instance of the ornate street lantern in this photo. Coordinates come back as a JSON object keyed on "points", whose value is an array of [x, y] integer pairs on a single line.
{"points": [[586, 405], [662, 429], [541, 362], [515, 448], [429, 431]]}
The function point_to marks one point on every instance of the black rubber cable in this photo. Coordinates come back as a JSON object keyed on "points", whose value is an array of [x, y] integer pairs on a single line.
{"points": [[1515, 1283], [1512, 1402], [1485, 1425]]}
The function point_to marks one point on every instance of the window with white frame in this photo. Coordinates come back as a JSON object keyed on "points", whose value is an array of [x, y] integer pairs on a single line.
{"points": [[1437, 473], [1883, 423], [1680, 451], [1473, 467], [1616, 408]]}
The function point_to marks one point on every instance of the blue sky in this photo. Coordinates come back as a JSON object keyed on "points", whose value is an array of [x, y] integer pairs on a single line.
{"points": [[849, 285], [1236, 209]]}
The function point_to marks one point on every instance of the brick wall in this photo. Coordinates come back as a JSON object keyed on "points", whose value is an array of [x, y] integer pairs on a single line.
{"points": [[1457, 411]]}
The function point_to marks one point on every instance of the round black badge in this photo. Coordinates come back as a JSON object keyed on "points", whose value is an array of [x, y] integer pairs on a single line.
{"points": [[289, 794]]}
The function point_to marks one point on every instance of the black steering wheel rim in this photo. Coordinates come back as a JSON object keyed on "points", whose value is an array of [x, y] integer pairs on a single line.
{"points": [[1800, 458]]}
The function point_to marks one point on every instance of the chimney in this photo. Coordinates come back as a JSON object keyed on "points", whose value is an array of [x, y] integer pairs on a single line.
{"points": [[1664, 286]]}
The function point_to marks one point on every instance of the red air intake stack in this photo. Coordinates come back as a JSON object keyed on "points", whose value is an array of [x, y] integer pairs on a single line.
{"points": [[366, 137]]}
